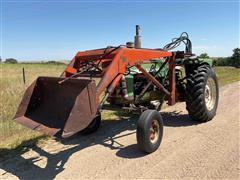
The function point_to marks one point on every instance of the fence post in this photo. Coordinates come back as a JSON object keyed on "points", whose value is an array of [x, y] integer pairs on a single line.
{"points": [[24, 80]]}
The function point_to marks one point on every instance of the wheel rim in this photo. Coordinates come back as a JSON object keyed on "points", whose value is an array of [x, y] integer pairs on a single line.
{"points": [[154, 131], [210, 94]]}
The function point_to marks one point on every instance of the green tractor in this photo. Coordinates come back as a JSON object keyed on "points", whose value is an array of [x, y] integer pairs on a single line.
{"points": [[125, 77], [196, 84], [195, 79]]}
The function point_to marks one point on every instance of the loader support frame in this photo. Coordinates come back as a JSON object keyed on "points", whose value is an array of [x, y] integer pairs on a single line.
{"points": [[120, 58], [155, 82], [172, 80]]}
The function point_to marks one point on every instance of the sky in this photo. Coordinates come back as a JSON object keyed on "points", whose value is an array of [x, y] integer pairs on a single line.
{"points": [[57, 30]]}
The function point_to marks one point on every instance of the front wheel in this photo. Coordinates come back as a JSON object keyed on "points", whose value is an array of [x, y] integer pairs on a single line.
{"points": [[149, 131], [93, 126], [202, 93]]}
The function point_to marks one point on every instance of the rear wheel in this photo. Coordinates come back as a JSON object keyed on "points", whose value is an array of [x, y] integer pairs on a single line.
{"points": [[93, 126], [149, 131], [202, 93]]}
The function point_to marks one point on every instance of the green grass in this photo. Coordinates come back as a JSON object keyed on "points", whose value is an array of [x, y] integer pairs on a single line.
{"points": [[12, 135], [227, 75], [11, 91]]}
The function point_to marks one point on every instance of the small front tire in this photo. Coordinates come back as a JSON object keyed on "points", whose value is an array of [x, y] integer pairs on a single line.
{"points": [[149, 131]]}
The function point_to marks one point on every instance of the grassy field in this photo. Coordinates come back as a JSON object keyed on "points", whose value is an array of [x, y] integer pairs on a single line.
{"points": [[227, 75], [12, 89]]}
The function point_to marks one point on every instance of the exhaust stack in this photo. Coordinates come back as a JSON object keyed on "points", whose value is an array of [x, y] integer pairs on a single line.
{"points": [[137, 38]]}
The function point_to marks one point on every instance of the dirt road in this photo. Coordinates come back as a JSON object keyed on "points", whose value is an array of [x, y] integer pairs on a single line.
{"points": [[188, 149]]}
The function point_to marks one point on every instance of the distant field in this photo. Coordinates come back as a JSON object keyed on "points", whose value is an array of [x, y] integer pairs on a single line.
{"points": [[12, 89]]}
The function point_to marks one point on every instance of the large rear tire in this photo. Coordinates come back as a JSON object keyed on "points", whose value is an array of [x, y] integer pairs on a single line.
{"points": [[149, 131], [202, 93]]}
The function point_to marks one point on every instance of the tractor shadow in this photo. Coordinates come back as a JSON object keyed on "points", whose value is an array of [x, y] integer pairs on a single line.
{"points": [[170, 119], [110, 131], [176, 119]]}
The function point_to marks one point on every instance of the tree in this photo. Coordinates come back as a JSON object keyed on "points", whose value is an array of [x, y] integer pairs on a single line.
{"points": [[203, 55], [222, 61], [11, 61], [0, 59], [235, 59]]}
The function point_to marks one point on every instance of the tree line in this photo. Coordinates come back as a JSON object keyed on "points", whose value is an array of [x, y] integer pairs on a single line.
{"points": [[15, 61], [233, 60]]}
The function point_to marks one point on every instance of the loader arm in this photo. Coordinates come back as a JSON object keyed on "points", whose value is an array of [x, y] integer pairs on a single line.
{"points": [[118, 61]]}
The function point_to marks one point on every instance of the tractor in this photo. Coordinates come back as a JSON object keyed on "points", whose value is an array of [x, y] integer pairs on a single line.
{"points": [[125, 77]]}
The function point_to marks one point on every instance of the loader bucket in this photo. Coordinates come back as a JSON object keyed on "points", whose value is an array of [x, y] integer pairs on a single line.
{"points": [[58, 109]]}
